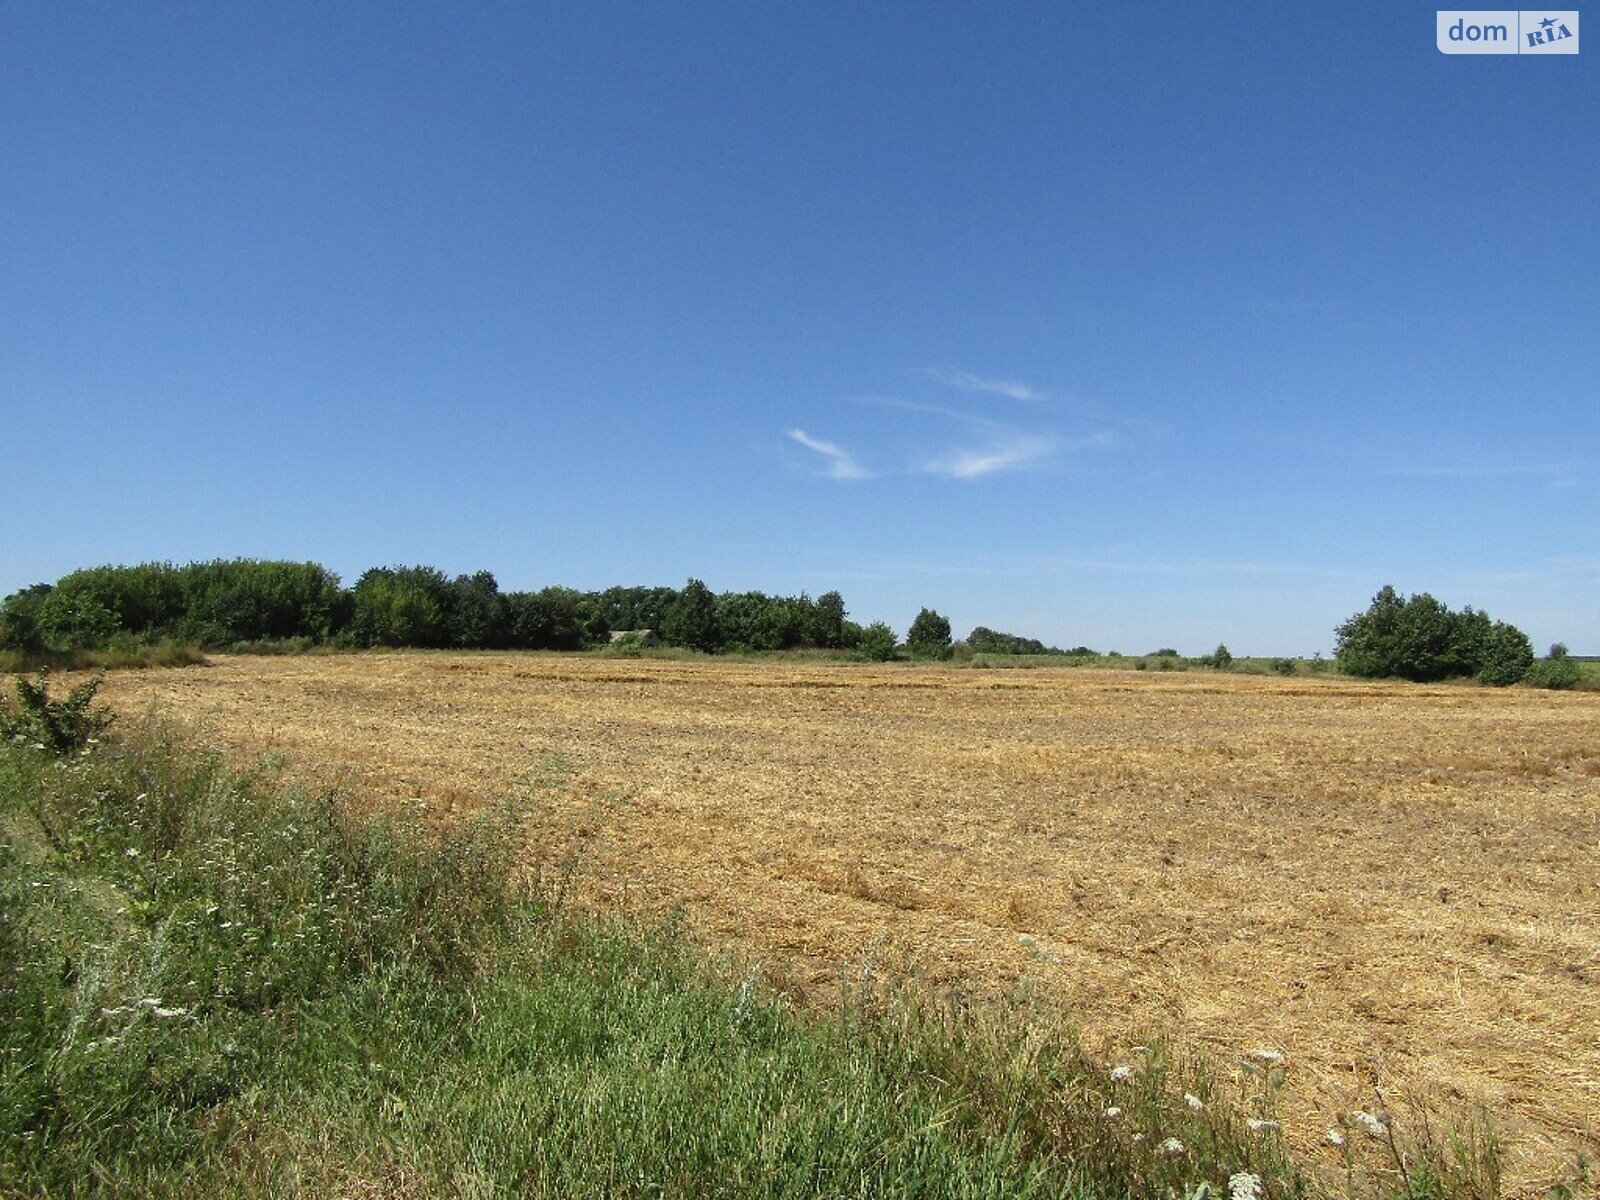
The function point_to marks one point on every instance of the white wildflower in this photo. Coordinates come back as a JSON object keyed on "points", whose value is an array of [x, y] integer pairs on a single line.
{"points": [[1263, 1054], [166, 1013], [1171, 1146], [1244, 1186], [1121, 1074], [1193, 1101], [1376, 1126], [1138, 1137], [1113, 1112], [1335, 1138], [132, 852], [1257, 1125]]}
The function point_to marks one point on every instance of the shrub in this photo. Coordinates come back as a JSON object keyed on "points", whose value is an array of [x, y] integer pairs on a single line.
{"points": [[984, 640], [1506, 656], [60, 726], [1555, 670], [1285, 666], [877, 642], [1220, 659]]}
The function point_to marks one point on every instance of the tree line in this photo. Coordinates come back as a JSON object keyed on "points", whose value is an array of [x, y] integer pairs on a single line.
{"points": [[241, 602], [231, 602]]}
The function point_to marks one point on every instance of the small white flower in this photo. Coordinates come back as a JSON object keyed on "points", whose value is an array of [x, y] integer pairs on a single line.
{"points": [[1193, 1101], [1373, 1125], [1335, 1138], [1138, 1137], [165, 1013], [1244, 1186], [1257, 1125], [1113, 1112], [1171, 1146], [132, 852], [1121, 1074], [1263, 1054]]}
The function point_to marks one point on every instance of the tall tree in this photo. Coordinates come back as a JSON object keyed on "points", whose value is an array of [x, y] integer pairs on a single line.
{"points": [[692, 619], [929, 636]]}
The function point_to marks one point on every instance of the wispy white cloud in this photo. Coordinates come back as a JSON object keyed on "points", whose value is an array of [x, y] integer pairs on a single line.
{"points": [[967, 382], [1006, 451], [840, 464]]}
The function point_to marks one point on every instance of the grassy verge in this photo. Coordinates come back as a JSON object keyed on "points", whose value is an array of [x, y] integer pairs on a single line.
{"points": [[212, 983]]}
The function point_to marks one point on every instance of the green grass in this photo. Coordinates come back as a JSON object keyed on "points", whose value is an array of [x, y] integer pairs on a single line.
{"points": [[212, 983]]}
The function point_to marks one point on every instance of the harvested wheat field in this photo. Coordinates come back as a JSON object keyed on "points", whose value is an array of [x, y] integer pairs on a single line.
{"points": [[1387, 883]]}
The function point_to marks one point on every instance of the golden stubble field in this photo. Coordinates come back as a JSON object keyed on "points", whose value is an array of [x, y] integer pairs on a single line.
{"points": [[1383, 881]]}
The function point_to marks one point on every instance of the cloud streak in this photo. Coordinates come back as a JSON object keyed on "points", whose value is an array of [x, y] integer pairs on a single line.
{"points": [[968, 382], [840, 464], [1008, 451]]}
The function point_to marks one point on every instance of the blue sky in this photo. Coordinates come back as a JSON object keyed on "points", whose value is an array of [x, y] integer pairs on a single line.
{"points": [[1139, 326]]}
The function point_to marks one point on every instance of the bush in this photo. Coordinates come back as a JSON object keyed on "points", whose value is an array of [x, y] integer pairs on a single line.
{"points": [[1285, 666], [1507, 655], [984, 640], [59, 726], [1555, 671], [1219, 659], [877, 642]]}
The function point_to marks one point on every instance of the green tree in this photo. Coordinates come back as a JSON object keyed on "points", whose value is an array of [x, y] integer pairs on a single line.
{"points": [[929, 636], [550, 619], [400, 606], [1421, 639], [474, 612], [19, 619], [1221, 658], [831, 615], [692, 619]]}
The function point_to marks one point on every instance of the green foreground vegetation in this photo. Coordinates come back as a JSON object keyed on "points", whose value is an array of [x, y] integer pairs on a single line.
{"points": [[214, 983]]}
